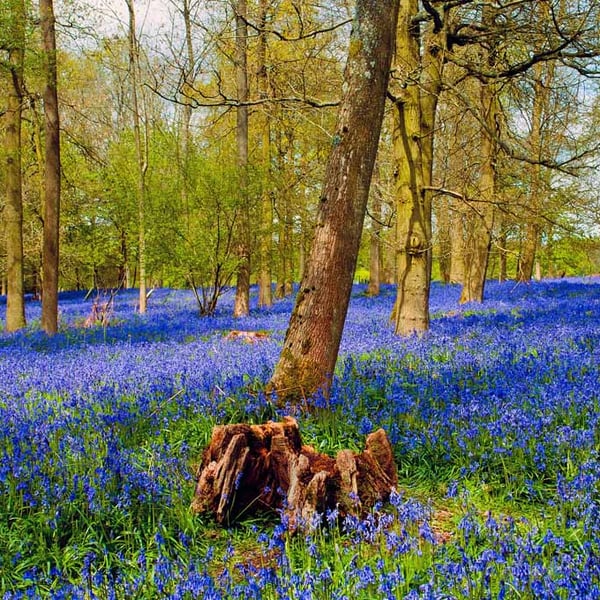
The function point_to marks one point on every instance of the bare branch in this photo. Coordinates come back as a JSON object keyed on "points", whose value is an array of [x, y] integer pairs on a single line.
{"points": [[301, 36], [220, 100]]}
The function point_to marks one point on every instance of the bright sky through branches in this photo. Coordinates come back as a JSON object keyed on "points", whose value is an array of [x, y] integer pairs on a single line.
{"points": [[151, 15]]}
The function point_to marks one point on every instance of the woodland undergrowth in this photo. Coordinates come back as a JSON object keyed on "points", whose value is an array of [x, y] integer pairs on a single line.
{"points": [[493, 415]]}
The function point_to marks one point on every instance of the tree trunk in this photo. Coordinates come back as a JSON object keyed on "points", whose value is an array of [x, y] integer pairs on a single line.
{"points": [[479, 235], [13, 212], [416, 106], [265, 277], [242, 292], [543, 76], [503, 252], [311, 344], [481, 217], [444, 244], [186, 136], [141, 151], [375, 246], [284, 246], [458, 220], [251, 468], [52, 173], [265, 293]]}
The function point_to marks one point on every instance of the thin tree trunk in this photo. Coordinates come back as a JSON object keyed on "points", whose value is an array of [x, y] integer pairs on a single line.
{"points": [[311, 344], [265, 293], [458, 220], [481, 218], [374, 286], [186, 137], [124, 274], [543, 76], [52, 173], [141, 151], [13, 212], [444, 243], [186, 140], [284, 213], [503, 241], [242, 293], [479, 236]]}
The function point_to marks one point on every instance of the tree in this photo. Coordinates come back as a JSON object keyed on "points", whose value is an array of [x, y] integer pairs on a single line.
{"points": [[13, 211], [52, 173], [242, 291], [482, 216], [375, 254], [311, 344], [420, 76], [141, 151], [265, 295]]}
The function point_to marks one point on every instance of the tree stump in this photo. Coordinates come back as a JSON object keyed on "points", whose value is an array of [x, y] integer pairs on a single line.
{"points": [[252, 468], [247, 336]]}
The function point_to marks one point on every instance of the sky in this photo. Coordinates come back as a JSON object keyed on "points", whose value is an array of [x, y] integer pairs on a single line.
{"points": [[110, 16]]}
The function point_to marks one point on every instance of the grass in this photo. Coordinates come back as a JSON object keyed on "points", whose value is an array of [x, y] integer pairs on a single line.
{"points": [[494, 417]]}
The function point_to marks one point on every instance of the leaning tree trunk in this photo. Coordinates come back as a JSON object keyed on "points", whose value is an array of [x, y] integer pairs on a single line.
{"points": [[311, 344], [51, 174], [252, 468], [13, 212]]}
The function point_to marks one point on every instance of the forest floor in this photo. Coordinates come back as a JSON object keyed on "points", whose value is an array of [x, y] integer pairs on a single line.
{"points": [[494, 418]]}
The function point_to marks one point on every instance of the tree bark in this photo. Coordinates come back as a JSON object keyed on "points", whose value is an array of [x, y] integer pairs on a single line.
{"points": [[186, 135], [543, 76], [52, 173], [13, 212], [502, 251], [242, 292], [252, 468], [141, 151], [265, 278], [458, 221], [416, 105], [481, 217], [311, 344], [374, 286], [285, 162]]}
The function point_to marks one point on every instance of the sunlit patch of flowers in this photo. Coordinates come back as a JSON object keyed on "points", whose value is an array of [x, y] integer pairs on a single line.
{"points": [[498, 406]]}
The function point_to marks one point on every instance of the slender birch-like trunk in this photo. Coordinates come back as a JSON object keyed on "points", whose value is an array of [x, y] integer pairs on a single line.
{"points": [[242, 292], [13, 211], [52, 173]]}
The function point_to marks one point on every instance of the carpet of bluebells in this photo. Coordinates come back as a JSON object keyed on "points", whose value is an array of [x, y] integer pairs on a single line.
{"points": [[494, 416]]}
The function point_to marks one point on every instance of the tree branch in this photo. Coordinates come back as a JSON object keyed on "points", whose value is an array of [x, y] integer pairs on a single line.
{"points": [[220, 100], [302, 36]]}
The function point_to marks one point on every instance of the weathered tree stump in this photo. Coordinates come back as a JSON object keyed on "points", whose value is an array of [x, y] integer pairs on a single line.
{"points": [[247, 336], [251, 468]]}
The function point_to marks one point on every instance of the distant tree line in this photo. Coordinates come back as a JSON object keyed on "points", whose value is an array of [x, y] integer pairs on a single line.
{"points": [[192, 151]]}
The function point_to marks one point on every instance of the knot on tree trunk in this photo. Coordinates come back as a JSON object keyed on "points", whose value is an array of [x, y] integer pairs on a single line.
{"points": [[251, 468]]}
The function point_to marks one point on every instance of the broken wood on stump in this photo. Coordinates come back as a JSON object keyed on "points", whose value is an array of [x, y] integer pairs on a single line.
{"points": [[251, 468]]}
